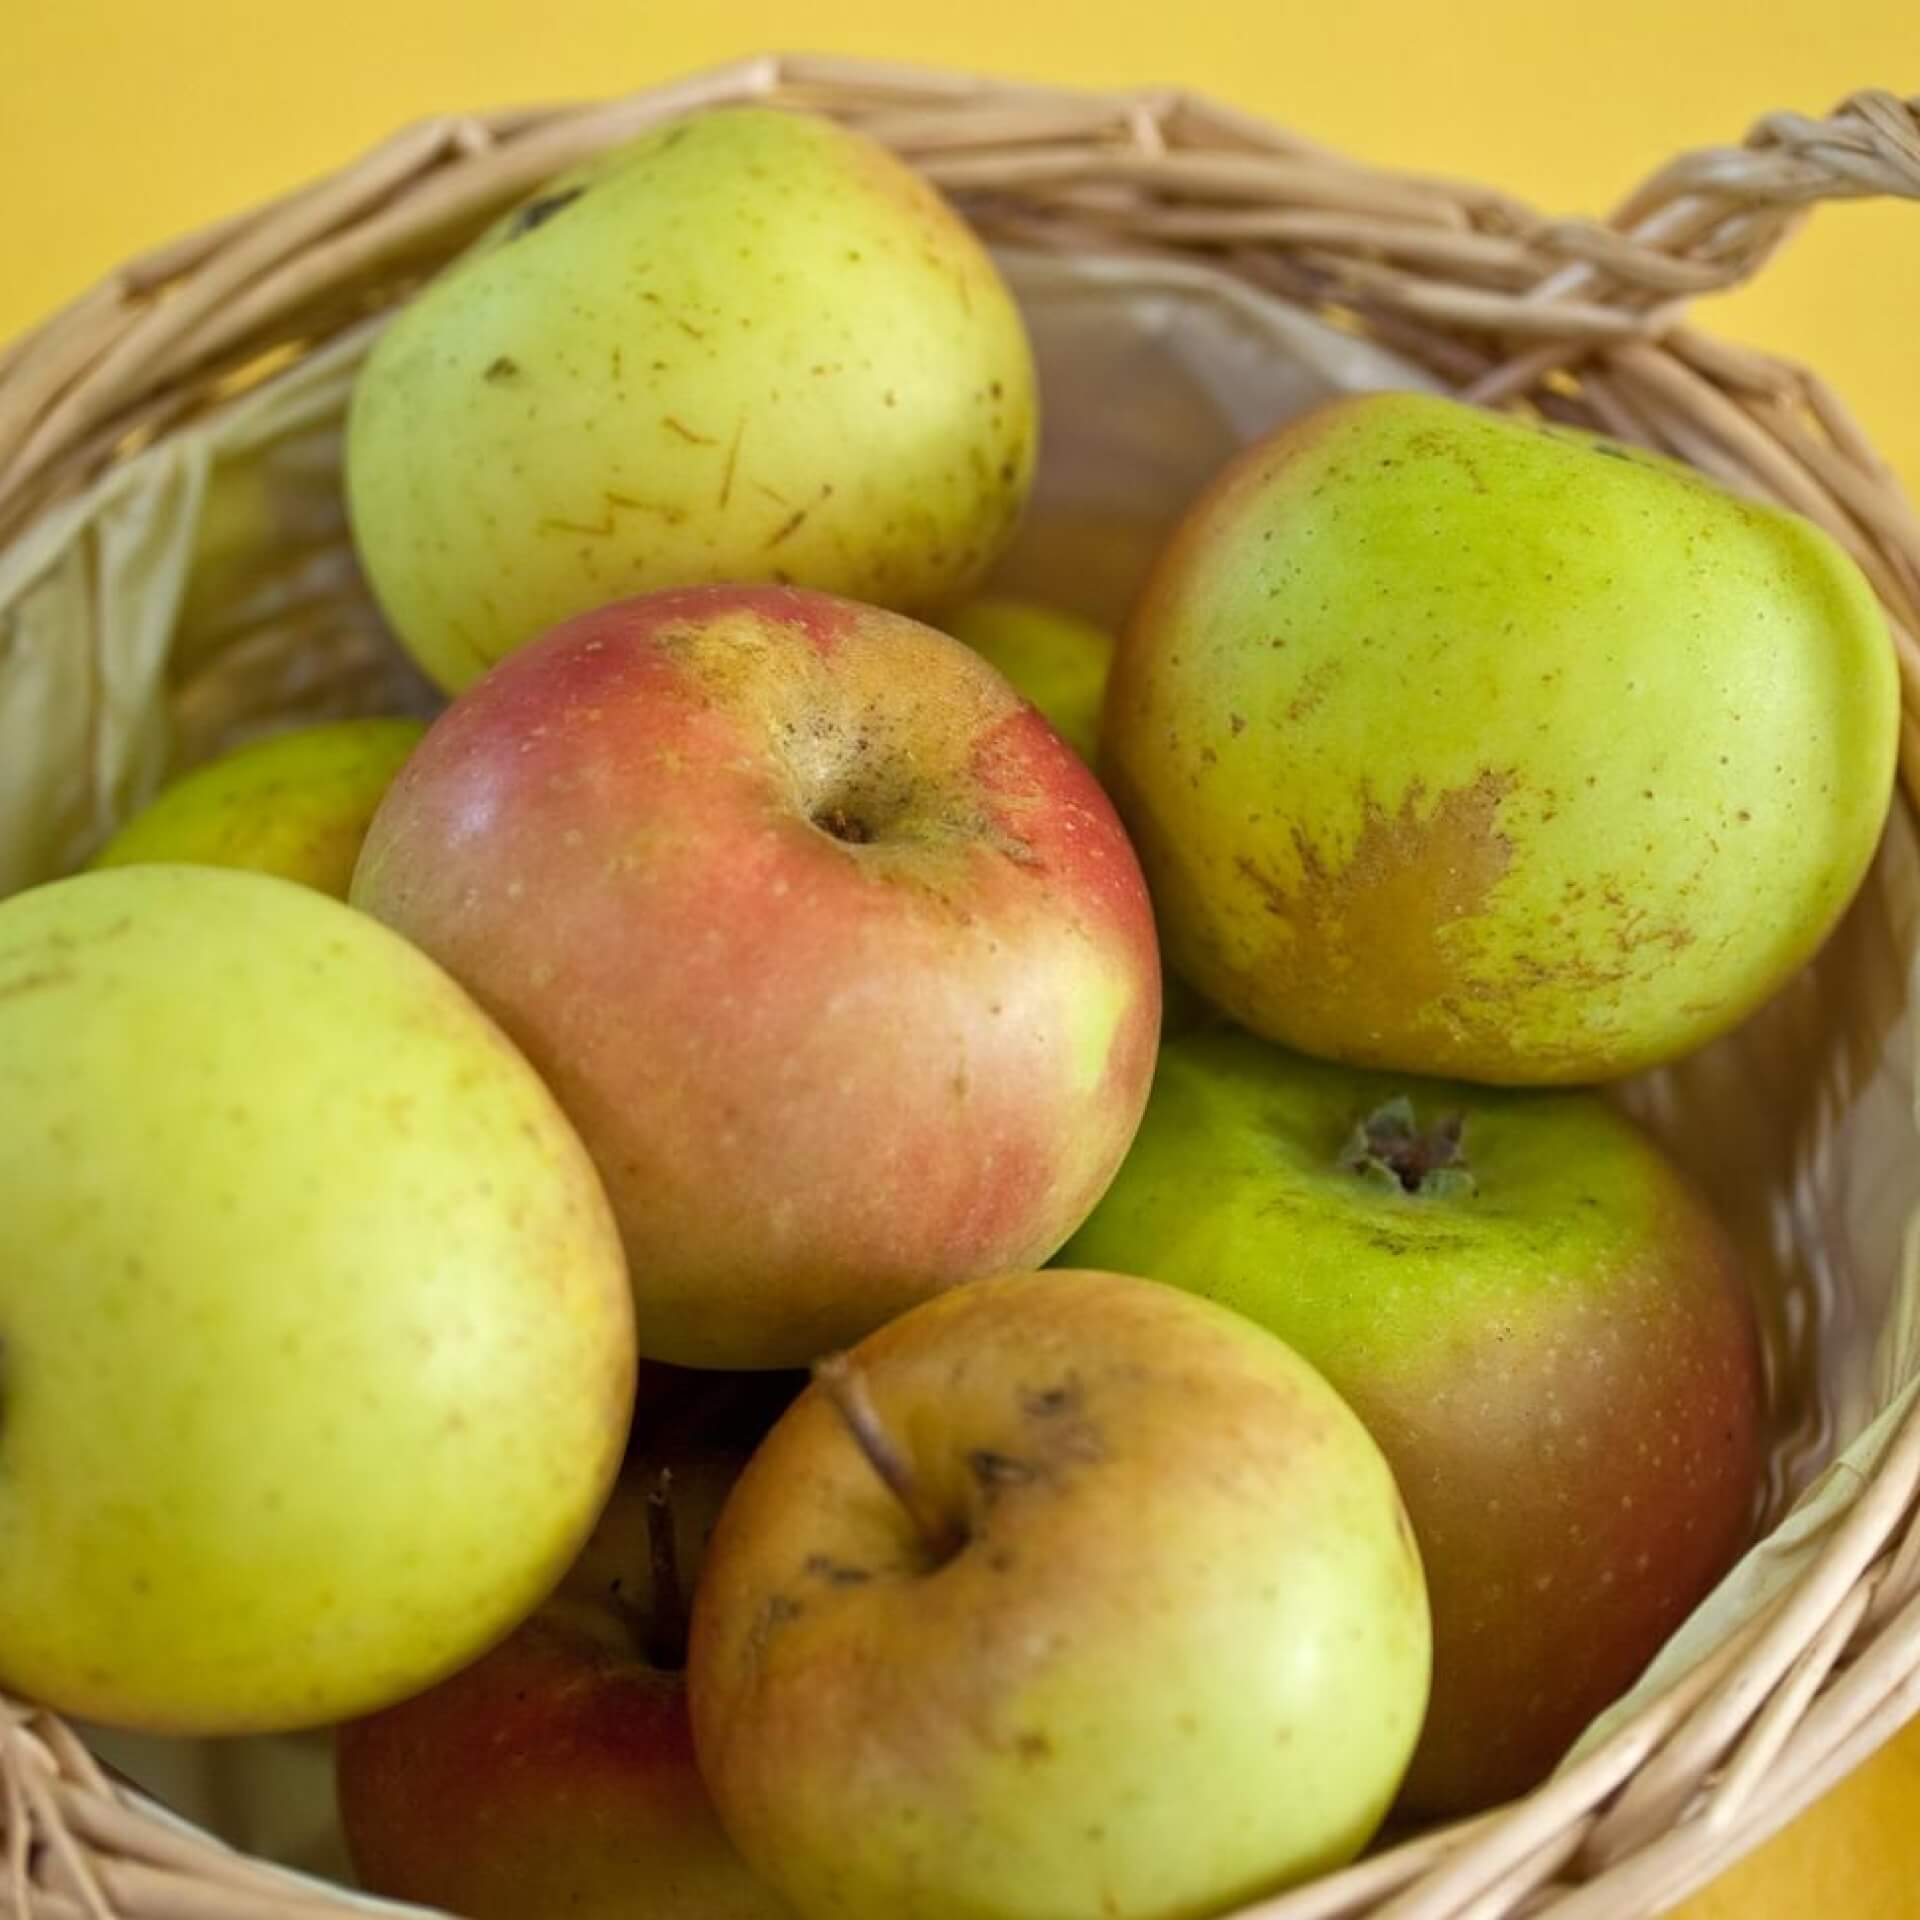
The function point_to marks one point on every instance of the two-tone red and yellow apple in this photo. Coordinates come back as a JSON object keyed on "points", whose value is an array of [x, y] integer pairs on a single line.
{"points": [[833, 950]]}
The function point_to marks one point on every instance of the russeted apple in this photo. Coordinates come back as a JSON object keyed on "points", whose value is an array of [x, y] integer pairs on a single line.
{"points": [[833, 950], [556, 1775], [1540, 1322], [1065, 1596], [1457, 745]]}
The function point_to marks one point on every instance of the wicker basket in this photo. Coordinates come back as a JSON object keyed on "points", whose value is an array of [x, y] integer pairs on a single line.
{"points": [[1576, 319]]}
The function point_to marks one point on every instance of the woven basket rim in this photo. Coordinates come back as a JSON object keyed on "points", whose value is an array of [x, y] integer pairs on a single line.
{"points": [[1579, 319]]}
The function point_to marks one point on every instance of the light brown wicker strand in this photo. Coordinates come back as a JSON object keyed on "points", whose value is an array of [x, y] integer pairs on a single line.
{"points": [[1581, 319]]}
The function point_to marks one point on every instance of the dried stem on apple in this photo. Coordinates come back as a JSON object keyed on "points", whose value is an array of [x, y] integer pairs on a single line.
{"points": [[667, 1618], [840, 1379]]}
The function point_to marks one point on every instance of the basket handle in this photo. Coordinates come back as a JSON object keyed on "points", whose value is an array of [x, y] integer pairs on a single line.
{"points": [[1712, 218]]}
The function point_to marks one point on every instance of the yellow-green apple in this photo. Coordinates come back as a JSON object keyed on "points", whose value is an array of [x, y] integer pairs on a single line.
{"points": [[832, 948], [750, 345], [296, 805], [556, 1775], [1065, 1596], [1537, 1318], [1057, 660], [1458, 745], [317, 1341]]}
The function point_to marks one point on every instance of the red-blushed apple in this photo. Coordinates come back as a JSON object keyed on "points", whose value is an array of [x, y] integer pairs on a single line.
{"points": [[556, 1775], [832, 949], [1539, 1321], [1065, 1596]]}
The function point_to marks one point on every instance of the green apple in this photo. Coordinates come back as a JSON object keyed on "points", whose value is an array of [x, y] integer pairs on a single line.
{"points": [[317, 1341], [297, 805], [749, 346], [1064, 1597], [1540, 1323], [556, 1775], [1458, 745], [1054, 659]]}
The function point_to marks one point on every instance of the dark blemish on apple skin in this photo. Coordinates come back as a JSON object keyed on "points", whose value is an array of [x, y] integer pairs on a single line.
{"points": [[791, 526], [33, 982], [834, 1573], [1033, 1746], [504, 368], [536, 213], [1046, 1402], [1236, 723], [997, 1470]]}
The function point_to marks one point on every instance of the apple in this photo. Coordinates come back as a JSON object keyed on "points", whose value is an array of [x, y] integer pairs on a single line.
{"points": [[1537, 1318], [1054, 658], [750, 345], [1065, 1596], [317, 1342], [1457, 745], [831, 947], [556, 1775], [296, 805]]}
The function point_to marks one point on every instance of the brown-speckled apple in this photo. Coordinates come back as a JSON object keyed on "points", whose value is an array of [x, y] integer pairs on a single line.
{"points": [[556, 1775], [1066, 1596], [749, 345], [1537, 1318], [836, 954], [1457, 745]]}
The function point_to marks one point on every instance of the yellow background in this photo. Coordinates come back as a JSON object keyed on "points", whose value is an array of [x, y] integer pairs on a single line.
{"points": [[124, 122]]}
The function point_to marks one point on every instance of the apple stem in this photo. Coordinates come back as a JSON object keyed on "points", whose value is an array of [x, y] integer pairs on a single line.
{"points": [[667, 1618], [840, 1379]]}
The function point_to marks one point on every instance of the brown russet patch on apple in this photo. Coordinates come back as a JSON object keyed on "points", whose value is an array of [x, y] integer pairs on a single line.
{"points": [[1367, 940]]}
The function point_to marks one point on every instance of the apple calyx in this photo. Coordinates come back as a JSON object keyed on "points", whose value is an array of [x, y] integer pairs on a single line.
{"points": [[839, 1377], [842, 825], [665, 1634], [1389, 1147]]}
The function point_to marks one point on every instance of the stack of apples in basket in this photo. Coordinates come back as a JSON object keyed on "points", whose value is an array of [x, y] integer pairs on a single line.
{"points": [[673, 1261]]}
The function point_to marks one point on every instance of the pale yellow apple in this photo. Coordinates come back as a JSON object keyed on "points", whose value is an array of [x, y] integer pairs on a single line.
{"points": [[749, 346], [297, 805], [317, 1340]]}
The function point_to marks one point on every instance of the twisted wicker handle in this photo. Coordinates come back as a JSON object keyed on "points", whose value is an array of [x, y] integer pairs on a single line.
{"points": [[1711, 219]]}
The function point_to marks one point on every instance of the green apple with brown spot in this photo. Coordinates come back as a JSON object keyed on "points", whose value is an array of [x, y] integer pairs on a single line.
{"points": [[1459, 745], [1065, 1596], [834, 951], [1538, 1319], [297, 805], [750, 345]]}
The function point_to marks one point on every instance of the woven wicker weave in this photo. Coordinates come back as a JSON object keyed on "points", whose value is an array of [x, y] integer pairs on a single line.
{"points": [[1580, 320]]}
